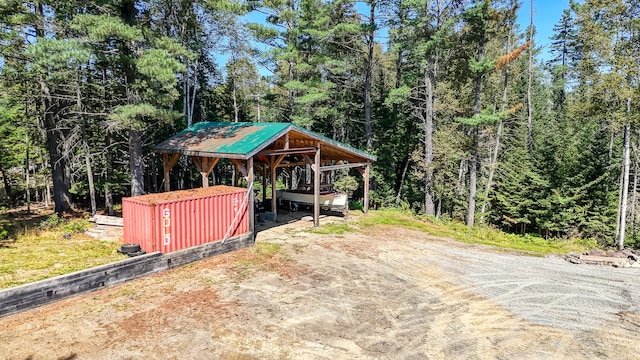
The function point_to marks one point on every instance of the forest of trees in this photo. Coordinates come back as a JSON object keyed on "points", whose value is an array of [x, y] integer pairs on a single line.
{"points": [[453, 97]]}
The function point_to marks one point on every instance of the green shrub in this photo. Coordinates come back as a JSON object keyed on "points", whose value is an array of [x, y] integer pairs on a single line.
{"points": [[346, 184], [75, 226], [355, 205], [52, 221]]}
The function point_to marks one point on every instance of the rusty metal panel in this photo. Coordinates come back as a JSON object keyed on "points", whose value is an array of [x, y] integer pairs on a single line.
{"points": [[239, 138], [177, 220]]}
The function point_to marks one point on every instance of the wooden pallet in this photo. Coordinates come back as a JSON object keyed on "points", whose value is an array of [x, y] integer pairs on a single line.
{"points": [[107, 220]]}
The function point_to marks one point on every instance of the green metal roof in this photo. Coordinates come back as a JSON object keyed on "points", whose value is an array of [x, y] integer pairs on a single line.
{"points": [[241, 140], [221, 138]]}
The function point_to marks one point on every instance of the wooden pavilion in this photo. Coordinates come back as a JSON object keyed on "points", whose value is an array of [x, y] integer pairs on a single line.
{"points": [[266, 147]]}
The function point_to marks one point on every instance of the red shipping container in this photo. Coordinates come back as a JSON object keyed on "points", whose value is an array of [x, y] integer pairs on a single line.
{"points": [[177, 220]]}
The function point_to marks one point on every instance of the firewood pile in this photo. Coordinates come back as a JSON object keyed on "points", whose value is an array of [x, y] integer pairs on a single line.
{"points": [[617, 258]]}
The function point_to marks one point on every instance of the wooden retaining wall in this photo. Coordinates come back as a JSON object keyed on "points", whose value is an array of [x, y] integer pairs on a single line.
{"points": [[46, 291]]}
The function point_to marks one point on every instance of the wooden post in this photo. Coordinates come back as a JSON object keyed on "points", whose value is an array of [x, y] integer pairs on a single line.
{"points": [[165, 167], [316, 187], [366, 188], [167, 164], [251, 200], [274, 203], [203, 172], [264, 182], [234, 180]]}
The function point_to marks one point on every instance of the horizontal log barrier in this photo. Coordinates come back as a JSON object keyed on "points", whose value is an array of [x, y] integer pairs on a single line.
{"points": [[46, 291]]}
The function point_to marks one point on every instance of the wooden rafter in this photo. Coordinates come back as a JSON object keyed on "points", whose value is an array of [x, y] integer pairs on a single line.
{"points": [[343, 166], [240, 167], [305, 150]]}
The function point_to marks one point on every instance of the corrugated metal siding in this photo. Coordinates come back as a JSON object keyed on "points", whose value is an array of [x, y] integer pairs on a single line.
{"points": [[135, 230], [190, 218]]}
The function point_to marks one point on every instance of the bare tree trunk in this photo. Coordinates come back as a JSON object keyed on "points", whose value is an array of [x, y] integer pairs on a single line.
{"points": [[154, 173], [128, 13], [492, 168], [136, 163], [185, 93], [634, 197], [7, 186], [611, 138], [620, 183], [193, 97], [473, 166], [369, 74], [92, 189], [625, 184], [235, 102], [429, 207], [189, 97], [473, 163], [108, 195], [27, 160], [108, 198], [61, 196], [87, 152], [494, 158], [529, 80], [431, 84], [404, 174]]}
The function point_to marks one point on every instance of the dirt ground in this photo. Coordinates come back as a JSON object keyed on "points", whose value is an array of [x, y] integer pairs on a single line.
{"points": [[384, 293]]}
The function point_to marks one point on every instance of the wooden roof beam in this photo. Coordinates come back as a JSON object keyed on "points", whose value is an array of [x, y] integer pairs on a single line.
{"points": [[290, 151], [343, 166]]}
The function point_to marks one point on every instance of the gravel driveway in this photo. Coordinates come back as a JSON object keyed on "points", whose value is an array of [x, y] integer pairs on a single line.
{"points": [[385, 293], [548, 291]]}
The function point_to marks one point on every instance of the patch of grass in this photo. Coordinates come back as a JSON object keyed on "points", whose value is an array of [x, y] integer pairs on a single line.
{"points": [[36, 254], [532, 245], [396, 217], [337, 228], [75, 226], [262, 256]]}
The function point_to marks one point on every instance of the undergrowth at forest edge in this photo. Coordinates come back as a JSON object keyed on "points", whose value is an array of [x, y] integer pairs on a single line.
{"points": [[529, 244]]}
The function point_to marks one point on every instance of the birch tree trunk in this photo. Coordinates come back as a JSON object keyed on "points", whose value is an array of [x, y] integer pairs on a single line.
{"points": [[625, 184], [402, 177], [473, 166], [235, 101], [92, 189], [429, 207], [473, 163]]}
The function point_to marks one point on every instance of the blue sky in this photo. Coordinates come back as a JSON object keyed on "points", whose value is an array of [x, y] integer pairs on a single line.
{"points": [[546, 14]]}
